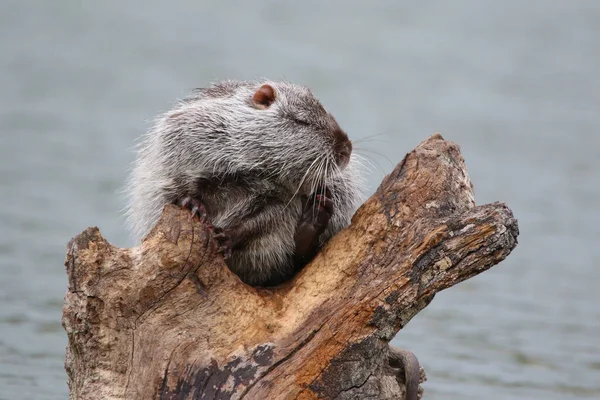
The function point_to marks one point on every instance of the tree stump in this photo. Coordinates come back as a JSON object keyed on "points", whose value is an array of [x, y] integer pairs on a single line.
{"points": [[168, 320]]}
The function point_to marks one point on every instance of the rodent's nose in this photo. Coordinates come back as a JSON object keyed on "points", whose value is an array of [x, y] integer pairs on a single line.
{"points": [[345, 153], [342, 147], [339, 136]]}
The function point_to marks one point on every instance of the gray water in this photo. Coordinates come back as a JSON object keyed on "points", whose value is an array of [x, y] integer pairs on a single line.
{"points": [[515, 83]]}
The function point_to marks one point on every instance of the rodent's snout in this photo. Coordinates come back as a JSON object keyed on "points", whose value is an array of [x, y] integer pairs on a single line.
{"points": [[342, 147]]}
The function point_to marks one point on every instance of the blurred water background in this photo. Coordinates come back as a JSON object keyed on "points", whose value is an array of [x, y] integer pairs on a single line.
{"points": [[515, 83]]}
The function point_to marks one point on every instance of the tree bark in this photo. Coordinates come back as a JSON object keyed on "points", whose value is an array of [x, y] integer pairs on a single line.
{"points": [[168, 320]]}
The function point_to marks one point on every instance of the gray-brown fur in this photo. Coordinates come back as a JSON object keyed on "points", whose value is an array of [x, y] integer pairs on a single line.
{"points": [[250, 166]]}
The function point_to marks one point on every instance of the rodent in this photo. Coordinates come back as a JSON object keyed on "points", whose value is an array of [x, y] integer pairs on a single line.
{"points": [[263, 161]]}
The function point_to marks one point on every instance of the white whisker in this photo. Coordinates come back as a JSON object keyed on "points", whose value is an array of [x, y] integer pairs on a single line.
{"points": [[301, 182]]}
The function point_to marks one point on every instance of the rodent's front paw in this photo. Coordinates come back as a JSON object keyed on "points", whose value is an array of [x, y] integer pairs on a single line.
{"points": [[224, 242], [317, 210], [195, 206], [220, 235]]}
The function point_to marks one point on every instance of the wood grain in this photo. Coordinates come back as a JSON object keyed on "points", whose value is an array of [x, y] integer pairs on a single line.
{"points": [[168, 320]]}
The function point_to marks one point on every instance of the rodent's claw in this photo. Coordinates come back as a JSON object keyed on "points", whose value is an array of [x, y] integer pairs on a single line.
{"points": [[196, 207], [325, 202], [224, 242], [318, 209], [225, 251]]}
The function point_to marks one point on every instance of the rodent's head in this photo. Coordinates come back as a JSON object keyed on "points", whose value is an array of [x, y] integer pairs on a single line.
{"points": [[303, 114], [277, 129]]}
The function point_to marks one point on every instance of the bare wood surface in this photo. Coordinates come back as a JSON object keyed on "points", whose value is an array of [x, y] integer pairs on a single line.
{"points": [[169, 320]]}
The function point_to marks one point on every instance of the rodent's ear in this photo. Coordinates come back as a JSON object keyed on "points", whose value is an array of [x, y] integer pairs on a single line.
{"points": [[264, 96]]}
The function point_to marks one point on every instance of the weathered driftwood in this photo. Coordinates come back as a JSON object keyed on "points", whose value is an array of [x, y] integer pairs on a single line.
{"points": [[169, 320]]}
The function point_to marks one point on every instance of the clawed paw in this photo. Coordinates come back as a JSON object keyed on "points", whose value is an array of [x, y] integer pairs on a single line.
{"points": [[317, 209], [195, 206], [221, 236], [224, 242], [316, 213]]}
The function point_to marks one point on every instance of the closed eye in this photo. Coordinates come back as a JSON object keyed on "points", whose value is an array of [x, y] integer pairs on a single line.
{"points": [[298, 121]]}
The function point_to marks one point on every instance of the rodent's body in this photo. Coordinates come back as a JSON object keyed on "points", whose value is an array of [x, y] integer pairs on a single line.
{"points": [[259, 156]]}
